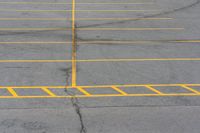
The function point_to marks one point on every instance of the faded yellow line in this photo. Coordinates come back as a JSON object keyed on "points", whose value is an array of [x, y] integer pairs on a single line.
{"points": [[127, 29], [106, 60], [108, 42], [12, 91], [35, 42], [98, 19], [32, 29], [64, 3], [9, 10], [89, 29]]}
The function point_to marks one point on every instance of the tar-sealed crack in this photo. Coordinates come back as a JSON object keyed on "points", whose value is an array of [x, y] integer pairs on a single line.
{"points": [[197, 2], [74, 99]]}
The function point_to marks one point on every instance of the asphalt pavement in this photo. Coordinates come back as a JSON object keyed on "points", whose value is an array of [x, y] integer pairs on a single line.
{"points": [[101, 66]]}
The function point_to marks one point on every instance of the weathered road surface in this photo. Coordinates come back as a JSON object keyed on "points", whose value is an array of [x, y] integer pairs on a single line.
{"points": [[128, 66]]}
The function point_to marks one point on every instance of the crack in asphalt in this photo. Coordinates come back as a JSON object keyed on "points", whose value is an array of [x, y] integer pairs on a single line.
{"points": [[74, 99], [147, 16]]}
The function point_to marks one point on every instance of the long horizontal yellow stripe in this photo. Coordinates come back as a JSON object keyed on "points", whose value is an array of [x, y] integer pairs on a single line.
{"points": [[127, 29], [64, 3], [98, 19], [104, 60], [103, 95], [89, 29], [107, 42], [35, 29], [101, 86], [79, 10]]}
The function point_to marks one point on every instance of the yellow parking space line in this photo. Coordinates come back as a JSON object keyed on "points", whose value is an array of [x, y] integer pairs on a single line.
{"points": [[98, 19], [106, 95], [124, 19], [101, 86], [31, 42], [153, 89], [66, 3], [34, 61], [107, 42], [190, 89], [101, 60], [127, 29], [12, 91], [89, 29], [83, 91], [9, 10], [32, 29], [73, 29], [138, 85], [119, 90], [50, 93]]}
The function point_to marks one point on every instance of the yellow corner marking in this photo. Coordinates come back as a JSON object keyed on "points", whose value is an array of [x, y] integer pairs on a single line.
{"points": [[50, 93], [12, 91], [83, 91], [154, 90], [119, 90], [190, 89]]}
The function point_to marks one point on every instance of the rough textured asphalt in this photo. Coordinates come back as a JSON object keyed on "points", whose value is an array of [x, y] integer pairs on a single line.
{"points": [[110, 114]]}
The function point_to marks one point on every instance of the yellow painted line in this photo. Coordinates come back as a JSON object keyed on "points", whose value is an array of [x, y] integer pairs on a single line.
{"points": [[33, 61], [101, 60], [190, 89], [66, 3], [138, 85], [55, 19], [9, 10], [107, 95], [124, 19], [35, 42], [119, 90], [12, 91], [127, 29], [185, 41], [83, 91], [99, 86], [73, 43], [32, 29], [89, 29], [153, 89], [106, 42], [50, 93], [144, 59]]}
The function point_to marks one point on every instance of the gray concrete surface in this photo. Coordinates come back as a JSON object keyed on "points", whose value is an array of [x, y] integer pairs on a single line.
{"points": [[106, 114]]}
